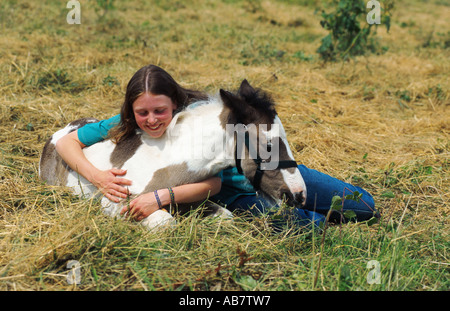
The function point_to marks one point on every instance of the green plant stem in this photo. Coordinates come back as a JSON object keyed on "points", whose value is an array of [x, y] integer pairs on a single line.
{"points": [[322, 242]]}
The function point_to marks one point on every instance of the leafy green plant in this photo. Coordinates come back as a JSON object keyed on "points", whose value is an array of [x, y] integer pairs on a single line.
{"points": [[348, 37]]}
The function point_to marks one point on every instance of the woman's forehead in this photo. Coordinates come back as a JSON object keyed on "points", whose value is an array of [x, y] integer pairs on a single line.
{"points": [[151, 101]]}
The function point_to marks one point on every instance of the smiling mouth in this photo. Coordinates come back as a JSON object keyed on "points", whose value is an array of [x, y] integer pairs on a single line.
{"points": [[153, 128]]}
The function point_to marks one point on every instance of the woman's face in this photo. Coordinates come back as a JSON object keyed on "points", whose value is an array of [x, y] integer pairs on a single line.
{"points": [[153, 113]]}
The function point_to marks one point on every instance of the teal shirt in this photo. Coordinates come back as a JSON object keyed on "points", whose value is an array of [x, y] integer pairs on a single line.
{"points": [[234, 184], [93, 133]]}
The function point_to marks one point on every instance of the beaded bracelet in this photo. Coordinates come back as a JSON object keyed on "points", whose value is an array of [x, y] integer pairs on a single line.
{"points": [[157, 199]]}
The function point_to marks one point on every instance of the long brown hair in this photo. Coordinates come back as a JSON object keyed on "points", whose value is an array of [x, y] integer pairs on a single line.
{"points": [[155, 80]]}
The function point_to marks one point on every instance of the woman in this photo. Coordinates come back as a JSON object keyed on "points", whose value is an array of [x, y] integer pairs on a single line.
{"points": [[151, 99]]}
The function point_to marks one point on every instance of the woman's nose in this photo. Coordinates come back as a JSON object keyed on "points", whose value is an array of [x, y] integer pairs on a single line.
{"points": [[152, 119]]}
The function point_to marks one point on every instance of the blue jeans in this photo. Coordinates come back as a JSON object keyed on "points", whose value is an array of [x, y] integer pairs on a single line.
{"points": [[320, 190]]}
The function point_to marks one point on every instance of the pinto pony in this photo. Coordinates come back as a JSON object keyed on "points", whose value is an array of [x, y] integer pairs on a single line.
{"points": [[228, 130]]}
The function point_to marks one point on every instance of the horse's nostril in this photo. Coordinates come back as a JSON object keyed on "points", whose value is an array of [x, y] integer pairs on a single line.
{"points": [[288, 196], [298, 198]]}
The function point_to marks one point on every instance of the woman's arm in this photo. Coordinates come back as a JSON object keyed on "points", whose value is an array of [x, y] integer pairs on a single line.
{"points": [[70, 148], [145, 204]]}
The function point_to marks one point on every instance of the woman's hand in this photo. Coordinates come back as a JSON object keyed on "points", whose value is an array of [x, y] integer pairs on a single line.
{"points": [[143, 206], [110, 185]]}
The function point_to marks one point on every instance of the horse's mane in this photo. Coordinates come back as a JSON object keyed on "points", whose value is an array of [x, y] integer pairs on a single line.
{"points": [[260, 100]]}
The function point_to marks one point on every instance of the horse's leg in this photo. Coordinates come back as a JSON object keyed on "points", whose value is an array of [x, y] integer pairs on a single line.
{"points": [[158, 220]]}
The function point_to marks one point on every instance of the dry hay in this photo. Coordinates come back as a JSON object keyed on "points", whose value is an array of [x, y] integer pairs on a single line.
{"points": [[381, 121]]}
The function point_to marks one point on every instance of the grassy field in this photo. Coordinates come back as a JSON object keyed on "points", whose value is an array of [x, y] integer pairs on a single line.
{"points": [[381, 121]]}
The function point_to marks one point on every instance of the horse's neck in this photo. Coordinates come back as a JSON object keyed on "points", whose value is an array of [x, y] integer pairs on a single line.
{"points": [[199, 132]]}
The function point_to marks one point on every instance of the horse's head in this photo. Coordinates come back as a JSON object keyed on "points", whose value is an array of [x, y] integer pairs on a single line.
{"points": [[262, 152]]}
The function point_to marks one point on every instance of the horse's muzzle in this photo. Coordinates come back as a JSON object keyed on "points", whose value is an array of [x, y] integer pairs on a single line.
{"points": [[296, 199]]}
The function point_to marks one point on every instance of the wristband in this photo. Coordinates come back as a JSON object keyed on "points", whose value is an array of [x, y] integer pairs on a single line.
{"points": [[172, 196], [157, 199]]}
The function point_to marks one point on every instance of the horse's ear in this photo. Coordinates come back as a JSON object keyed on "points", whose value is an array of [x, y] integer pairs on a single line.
{"points": [[238, 106], [246, 90], [230, 100]]}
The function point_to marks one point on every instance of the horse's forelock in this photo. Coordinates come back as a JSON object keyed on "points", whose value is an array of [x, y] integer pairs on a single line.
{"points": [[261, 101]]}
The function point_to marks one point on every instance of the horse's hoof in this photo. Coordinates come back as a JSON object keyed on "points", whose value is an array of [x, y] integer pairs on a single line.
{"points": [[222, 213], [159, 219]]}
